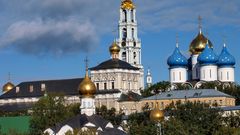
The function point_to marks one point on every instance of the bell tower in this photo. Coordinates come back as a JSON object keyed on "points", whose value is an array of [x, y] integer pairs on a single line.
{"points": [[130, 44], [128, 38]]}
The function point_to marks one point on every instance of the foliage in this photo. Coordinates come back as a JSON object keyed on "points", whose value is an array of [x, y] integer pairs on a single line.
{"points": [[48, 111], [193, 118], [140, 124], [110, 114], [156, 88]]}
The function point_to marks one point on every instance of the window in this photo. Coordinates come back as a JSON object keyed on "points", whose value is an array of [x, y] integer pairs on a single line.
{"points": [[124, 33], [123, 44], [124, 56], [221, 75], [210, 73], [173, 76], [132, 32], [132, 15], [125, 15], [17, 89], [134, 44], [31, 88], [227, 75], [180, 76], [97, 84], [105, 86], [203, 74], [112, 85], [43, 87], [134, 55]]}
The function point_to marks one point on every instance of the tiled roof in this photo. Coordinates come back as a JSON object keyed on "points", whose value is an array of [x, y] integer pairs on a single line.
{"points": [[80, 120], [67, 87], [114, 64], [182, 94]]}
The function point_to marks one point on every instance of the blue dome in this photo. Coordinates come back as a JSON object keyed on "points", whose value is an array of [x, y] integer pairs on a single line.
{"points": [[207, 56], [177, 59], [225, 58]]}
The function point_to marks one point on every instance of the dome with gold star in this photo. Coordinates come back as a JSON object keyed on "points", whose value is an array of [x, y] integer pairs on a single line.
{"points": [[199, 43], [8, 86], [127, 4], [156, 115], [87, 88], [114, 48]]}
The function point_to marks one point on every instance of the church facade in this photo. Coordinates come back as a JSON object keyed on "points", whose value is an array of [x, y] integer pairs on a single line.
{"points": [[120, 79], [203, 65]]}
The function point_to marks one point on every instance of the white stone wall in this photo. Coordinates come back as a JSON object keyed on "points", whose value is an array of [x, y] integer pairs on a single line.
{"points": [[226, 74], [123, 79], [88, 106], [208, 73], [178, 75]]}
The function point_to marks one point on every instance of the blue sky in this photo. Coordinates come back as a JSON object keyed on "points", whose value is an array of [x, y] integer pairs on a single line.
{"points": [[49, 39]]}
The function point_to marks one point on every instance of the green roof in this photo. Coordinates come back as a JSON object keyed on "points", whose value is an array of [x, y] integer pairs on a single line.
{"points": [[19, 124]]}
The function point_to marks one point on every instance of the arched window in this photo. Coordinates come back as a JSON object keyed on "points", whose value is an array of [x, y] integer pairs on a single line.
{"points": [[125, 15], [132, 16], [132, 32], [134, 55], [124, 33], [123, 44], [124, 56]]}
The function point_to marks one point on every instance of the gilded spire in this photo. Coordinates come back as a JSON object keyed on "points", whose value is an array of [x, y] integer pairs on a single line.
{"points": [[200, 24], [86, 65], [87, 88], [127, 4]]}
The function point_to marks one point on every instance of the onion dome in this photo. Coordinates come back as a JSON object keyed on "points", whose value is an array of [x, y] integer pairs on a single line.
{"points": [[127, 4], [114, 48], [199, 43], [156, 115], [225, 58], [8, 86], [207, 56], [177, 59], [87, 88]]}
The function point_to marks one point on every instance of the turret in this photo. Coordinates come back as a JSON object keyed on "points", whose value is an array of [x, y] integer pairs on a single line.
{"points": [[226, 64], [208, 64], [177, 66], [87, 89]]}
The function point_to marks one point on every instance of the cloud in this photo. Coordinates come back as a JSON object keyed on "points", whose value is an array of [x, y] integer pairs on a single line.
{"points": [[69, 26], [43, 37]]}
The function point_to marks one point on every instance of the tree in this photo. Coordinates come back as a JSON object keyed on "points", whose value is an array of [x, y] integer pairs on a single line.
{"points": [[110, 115], [193, 118], [156, 88], [47, 112]]}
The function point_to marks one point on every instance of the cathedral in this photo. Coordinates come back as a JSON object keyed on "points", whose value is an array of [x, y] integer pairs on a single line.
{"points": [[204, 65], [119, 79]]}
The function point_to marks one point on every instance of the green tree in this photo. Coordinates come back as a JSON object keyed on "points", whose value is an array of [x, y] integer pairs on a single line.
{"points": [[110, 115], [156, 88], [47, 112], [193, 118]]}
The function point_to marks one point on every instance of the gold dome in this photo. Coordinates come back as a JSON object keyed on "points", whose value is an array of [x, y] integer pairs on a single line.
{"points": [[87, 88], [199, 43], [8, 86], [114, 48], [127, 4], [156, 115]]}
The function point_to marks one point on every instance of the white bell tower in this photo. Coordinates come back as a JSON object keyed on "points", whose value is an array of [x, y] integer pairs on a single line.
{"points": [[128, 39]]}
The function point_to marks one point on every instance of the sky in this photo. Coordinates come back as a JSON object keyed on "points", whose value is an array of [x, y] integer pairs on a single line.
{"points": [[49, 39]]}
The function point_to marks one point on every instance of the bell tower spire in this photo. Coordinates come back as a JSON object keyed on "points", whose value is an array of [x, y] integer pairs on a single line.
{"points": [[128, 41]]}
